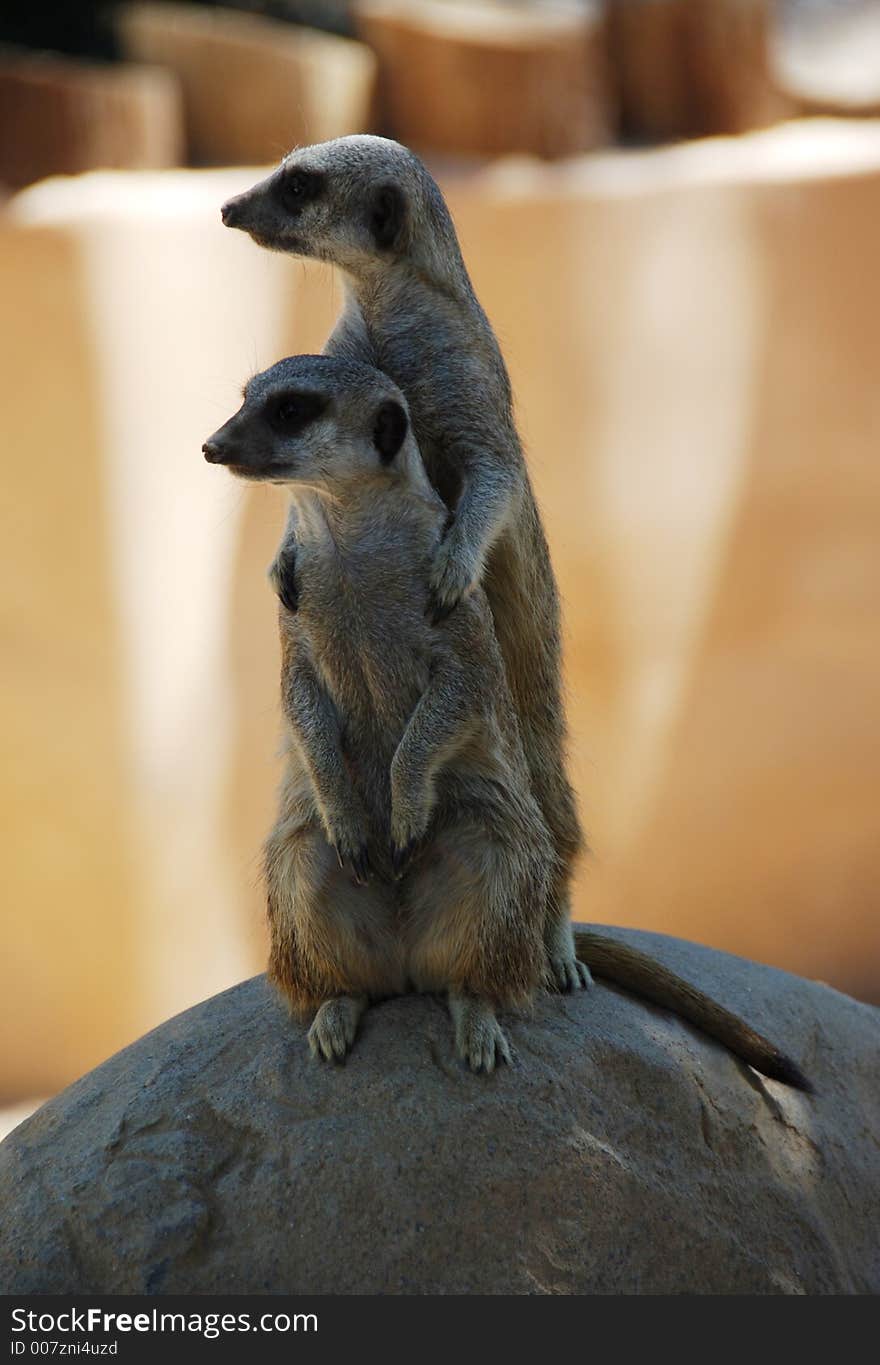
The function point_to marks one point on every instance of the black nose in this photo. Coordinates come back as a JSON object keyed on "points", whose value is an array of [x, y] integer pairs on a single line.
{"points": [[212, 452], [231, 213]]}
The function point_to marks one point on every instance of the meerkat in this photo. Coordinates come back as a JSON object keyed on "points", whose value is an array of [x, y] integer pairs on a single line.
{"points": [[409, 850], [371, 208]]}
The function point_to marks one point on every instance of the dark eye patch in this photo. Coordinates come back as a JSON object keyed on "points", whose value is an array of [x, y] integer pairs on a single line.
{"points": [[290, 413], [296, 188]]}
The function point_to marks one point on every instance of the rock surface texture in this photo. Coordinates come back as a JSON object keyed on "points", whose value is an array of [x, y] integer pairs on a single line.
{"points": [[621, 1153]]}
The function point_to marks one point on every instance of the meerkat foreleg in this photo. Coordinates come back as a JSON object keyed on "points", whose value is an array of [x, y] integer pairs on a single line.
{"points": [[437, 728], [315, 726], [479, 1038], [480, 515], [334, 1027]]}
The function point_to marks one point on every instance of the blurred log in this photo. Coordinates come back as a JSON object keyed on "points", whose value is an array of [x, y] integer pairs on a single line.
{"points": [[691, 68], [649, 43], [60, 116], [253, 87], [731, 62], [487, 79]]}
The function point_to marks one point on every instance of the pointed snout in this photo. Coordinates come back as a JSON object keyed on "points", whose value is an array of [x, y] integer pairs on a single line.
{"points": [[213, 452], [229, 446], [222, 445], [232, 211]]}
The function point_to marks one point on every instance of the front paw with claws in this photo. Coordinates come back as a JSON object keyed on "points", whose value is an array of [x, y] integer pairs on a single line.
{"points": [[401, 857], [451, 580], [409, 825], [356, 862]]}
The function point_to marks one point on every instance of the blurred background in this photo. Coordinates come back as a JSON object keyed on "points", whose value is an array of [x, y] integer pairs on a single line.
{"points": [[670, 210]]}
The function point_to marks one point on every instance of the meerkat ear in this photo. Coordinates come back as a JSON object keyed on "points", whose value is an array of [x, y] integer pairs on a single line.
{"points": [[387, 216], [389, 430]]}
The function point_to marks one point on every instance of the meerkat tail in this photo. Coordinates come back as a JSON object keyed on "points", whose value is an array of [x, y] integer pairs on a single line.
{"points": [[643, 975]]}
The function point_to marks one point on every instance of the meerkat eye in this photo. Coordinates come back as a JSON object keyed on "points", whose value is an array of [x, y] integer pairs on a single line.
{"points": [[298, 188], [290, 413]]}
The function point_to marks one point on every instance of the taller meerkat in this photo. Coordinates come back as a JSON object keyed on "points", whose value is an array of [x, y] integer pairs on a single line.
{"points": [[369, 206]]}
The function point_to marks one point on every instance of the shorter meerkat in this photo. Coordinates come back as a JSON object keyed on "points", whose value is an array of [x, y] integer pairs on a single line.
{"points": [[398, 730], [409, 851]]}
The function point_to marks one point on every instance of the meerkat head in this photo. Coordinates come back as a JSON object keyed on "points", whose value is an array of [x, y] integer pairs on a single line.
{"points": [[350, 201], [317, 421]]}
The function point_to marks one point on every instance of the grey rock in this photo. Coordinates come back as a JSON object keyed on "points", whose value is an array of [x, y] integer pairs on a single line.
{"points": [[622, 1153]]}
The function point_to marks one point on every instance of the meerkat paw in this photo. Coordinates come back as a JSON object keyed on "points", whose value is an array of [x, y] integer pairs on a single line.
{"points": [[479, 1038], [348, 840], [401, 857], [451, 580], [569, 974], [408, 828], [404, 844], [564, 971], [334, 1027], [355, 861]]}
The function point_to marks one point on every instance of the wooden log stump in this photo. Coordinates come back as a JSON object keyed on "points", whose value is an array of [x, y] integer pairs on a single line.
{"points": [[732, 68], [649, 43], [253, 87], [60, 116], [485, 79], [691, 68]]}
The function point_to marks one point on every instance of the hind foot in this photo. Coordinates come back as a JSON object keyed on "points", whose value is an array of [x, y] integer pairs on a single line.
{"points": [[565, 972], [569, 974], [479, 1038], [334, 1027]]}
